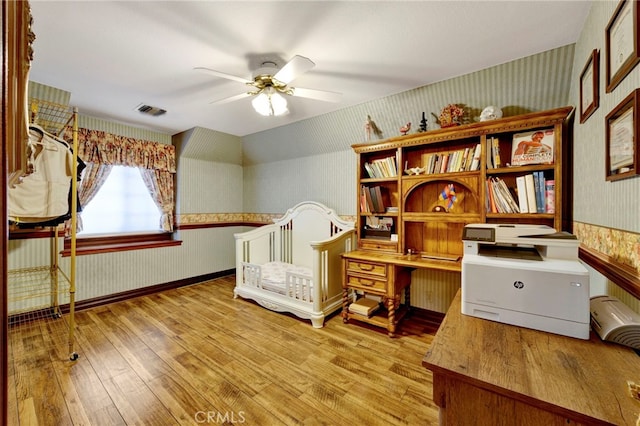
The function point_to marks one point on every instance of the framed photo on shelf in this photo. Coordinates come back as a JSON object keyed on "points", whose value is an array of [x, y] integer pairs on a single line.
{"points": [[589, 86], [621, 48], [622, 130]]}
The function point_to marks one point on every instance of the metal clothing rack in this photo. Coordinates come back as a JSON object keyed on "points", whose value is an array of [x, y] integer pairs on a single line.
{"points": [[34, 293]]}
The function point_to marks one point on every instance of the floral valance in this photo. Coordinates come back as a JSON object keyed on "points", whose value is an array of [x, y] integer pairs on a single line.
{"points": [[100, 147]]}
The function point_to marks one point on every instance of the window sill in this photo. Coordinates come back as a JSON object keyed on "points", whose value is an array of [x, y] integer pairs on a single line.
{"points": [[111, 244]]}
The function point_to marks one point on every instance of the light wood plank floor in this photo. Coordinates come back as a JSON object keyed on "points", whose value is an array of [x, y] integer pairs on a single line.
{"points": [[196, 355]]}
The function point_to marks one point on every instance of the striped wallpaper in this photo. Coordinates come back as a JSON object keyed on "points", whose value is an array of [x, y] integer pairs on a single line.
{"points": [[312, 159], [209, 145], [51, 94], [596, 201], [529, 84]]}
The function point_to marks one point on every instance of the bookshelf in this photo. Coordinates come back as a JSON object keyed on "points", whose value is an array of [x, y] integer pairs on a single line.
{"points": [[447, 178]]}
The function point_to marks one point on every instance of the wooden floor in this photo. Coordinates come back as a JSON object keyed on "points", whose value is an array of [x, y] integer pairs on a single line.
{"points": [[196, 355]]}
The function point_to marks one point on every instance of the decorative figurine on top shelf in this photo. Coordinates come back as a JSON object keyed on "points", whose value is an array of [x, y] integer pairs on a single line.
{"points": [[405, 129], [369, 127], [490, 113], [423, 123], [451, 115]]}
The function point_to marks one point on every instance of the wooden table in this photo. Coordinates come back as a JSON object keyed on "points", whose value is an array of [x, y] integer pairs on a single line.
{"points": [[486, 372], [387, 276]]}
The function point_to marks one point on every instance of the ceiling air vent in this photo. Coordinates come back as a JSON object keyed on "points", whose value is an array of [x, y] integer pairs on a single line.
{"points": [[150, 110]]}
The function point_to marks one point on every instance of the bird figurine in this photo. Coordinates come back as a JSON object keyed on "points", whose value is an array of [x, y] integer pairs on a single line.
{"points": [[405, 129]]}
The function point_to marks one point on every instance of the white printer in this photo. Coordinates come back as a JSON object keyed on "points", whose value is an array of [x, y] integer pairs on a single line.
{"points": [[525, 275]]}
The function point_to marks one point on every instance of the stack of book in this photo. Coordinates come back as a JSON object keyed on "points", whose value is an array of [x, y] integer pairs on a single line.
{"points": [[374, 199], [364, 306], [533, 194], [382, 168], [462, 160]]}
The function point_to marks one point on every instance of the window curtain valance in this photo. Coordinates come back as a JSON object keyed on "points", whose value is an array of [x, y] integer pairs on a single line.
{"points": [[96, 146], [156, 161]]}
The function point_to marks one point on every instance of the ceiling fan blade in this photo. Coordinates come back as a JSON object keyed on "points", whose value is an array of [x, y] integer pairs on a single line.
{"points": [[321, 95], [223, 75], [297, 66], [230, 99]]}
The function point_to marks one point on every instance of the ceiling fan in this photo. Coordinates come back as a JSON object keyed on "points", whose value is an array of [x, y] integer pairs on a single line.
{"points": [[270, 83]]}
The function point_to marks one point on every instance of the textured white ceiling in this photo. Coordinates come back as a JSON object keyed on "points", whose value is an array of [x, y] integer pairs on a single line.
{"points": [[113, 56]]}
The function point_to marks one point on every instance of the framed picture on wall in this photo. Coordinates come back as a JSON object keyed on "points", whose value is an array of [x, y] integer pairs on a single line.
{"points": [[589, 86], [621, 38], [622, 130]]}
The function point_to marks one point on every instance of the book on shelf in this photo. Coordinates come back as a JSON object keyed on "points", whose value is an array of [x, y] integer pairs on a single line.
{"points": [[522, 194], [491, 199], [550, 196], [475, 163], [531, 193], [493, 153], [465, 163], [534, 147], [444, 162], [364, 306], [538, 182]]}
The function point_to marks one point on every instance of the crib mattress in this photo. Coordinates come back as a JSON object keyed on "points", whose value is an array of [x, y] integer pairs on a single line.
{"points": [[274, 275]]}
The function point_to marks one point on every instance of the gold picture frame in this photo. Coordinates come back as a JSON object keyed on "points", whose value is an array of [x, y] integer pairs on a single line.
{"points": [[622, 130], [621, 37], [590, 86]]}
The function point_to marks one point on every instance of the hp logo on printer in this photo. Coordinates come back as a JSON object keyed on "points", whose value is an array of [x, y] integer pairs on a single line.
{"points": [[518, 284]]}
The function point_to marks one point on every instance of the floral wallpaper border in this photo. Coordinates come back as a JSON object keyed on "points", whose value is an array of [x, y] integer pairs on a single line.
{"points": [[221, 218], [623, 246]]}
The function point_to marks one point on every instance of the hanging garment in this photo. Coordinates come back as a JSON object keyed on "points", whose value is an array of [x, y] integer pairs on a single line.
{"points": [[43, 194], [64, 218]]}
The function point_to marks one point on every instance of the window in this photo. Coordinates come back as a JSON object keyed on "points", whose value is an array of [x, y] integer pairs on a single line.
{"points": [[122, 205]]}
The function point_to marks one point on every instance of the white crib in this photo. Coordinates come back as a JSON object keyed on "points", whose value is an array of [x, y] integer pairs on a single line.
{"points": [[294, 265]]}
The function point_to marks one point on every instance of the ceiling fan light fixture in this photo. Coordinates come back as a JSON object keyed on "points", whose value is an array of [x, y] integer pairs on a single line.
{"points": [[270, 102]]}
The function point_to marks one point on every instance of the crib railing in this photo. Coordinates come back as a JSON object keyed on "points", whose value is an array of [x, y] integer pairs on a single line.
{"points": [[251, 275], [299, 287]]}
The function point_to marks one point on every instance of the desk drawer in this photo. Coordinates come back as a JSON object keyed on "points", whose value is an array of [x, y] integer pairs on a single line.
{"points": [[369, 268], [378, 245], [366, 283]]}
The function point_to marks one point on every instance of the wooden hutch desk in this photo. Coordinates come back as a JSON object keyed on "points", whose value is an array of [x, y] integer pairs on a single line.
{"points": [[486, 372], [424, 188]]}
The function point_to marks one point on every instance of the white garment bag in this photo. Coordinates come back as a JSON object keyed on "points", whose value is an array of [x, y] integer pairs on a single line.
{"points": [[42, 194]]}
